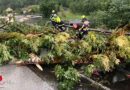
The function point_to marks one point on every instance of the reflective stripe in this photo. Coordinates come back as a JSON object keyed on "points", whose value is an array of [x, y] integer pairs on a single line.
{"points": [[81, 28], [57, 19], [86, 22], [85, 29], [60, 24], [53, 19]]}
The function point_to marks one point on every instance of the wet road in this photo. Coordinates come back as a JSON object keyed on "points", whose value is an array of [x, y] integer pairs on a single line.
{"points": [[22, 78], [31, 78], [48, 75]]}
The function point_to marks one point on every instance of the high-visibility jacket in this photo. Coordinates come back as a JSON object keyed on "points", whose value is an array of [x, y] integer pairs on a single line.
{"points": [[56, 19], [84, 26]]}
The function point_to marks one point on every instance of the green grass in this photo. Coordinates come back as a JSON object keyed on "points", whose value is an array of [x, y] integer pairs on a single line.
{"points": [[68, 15]]}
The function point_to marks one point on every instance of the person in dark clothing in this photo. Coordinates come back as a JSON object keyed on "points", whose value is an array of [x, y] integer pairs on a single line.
{"points": [[56, 22], [84, 18], [52, 18], [84, 29], [60, 26]]}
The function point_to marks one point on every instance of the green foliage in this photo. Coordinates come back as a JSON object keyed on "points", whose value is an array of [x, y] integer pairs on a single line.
{"points": [[85, 6], [103, 13], [22, 28], [64, 49], [6, 36], [65, 3], [68, 15], [89, 70], [32, 43], [35, 9], [121, 45], [77, 6], [68, 56], [59, 72], [98, 19], [46, 7], [96, 41], [21, 47], [48, 41], [67, 78], [47, 58], [118, 13], [102, 62], [17, 27], [60, 48], [5, 55], [18, 50], [85, 48]]}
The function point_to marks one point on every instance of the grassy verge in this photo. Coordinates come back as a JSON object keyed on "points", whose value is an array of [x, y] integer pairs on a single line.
{"points": [[68, 15]]}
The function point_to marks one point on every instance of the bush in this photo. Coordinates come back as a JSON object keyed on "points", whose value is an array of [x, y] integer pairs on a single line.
{"points": [[118, 14], [46, 7], [85, 6], [77, 6], [103, 13], [34, 9], [98, 18]]}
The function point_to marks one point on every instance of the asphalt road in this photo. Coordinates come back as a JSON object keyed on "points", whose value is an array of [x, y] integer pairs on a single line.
{"points": [[22, 78], [31, 78]]}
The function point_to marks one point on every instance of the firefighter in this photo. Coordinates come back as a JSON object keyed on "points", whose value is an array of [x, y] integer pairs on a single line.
{"points": [[84, 18], [53, 12], [56, 21], [53, 19], [84, 29]]}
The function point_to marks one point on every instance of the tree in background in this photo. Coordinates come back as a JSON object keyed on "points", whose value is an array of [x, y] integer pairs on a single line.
{"points": [[118, 13], [47, 6], [85, 6], [106, 13], [112, 14], [101, 13]]}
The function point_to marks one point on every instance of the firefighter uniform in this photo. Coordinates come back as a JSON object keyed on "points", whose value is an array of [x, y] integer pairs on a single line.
{"points": [[56, 22], [84, 29]]}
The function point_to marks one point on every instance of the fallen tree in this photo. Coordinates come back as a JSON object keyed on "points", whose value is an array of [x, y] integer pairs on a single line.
{"points": [[96, 51]]}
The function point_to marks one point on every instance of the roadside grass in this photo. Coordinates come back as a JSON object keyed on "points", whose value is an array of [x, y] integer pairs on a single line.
{"points": [[68, 15]]}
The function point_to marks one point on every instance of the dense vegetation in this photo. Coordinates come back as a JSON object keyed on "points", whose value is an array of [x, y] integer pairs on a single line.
{"points": [[101, 13], [107, 14], [22, 42], [95, 51]]}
